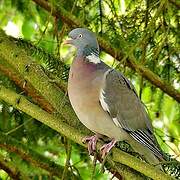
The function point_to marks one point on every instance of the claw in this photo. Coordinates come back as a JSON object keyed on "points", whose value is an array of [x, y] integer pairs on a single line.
{"points": [[92, 141], [105, 149]]}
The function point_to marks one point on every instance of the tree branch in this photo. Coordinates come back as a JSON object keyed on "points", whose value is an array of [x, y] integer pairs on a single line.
{"points": [[26, 87], [73, 22], [9, 170], [34, 158], [58, 125], [36, 112], [29, 70]]}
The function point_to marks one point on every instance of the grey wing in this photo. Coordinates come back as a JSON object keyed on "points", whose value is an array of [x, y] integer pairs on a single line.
{"points": [[119, 98]]}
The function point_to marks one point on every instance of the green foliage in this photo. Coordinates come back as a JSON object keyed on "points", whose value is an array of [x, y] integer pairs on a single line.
{"points": [[145, 30]]}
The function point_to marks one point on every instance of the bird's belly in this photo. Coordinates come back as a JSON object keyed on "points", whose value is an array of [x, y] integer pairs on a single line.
{"points": [[91, 114]]}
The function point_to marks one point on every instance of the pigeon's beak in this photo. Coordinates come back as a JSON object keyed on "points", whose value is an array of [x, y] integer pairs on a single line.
{"points": [[68, 41]]}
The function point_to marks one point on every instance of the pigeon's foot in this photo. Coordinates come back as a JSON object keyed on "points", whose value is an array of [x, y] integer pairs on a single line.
{"points": [[92, 141], [105, 149]]}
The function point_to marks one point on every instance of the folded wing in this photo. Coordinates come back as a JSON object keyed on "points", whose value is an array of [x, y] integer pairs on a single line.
{"points": [[119, 98]]}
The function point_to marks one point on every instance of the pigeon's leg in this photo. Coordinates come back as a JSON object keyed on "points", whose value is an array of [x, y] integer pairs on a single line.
{"points": [[92, 141], [105, 149]]}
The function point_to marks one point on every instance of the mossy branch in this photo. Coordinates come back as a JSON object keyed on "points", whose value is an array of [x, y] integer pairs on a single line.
{"points": [[72, 133], [12, 172], [26, 87], [12, 145]]}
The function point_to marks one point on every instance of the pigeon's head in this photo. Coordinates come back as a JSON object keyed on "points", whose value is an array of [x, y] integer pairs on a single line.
{"points": [[82, 38]]}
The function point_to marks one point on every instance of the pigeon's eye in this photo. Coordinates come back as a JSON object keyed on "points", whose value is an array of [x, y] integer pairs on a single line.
{"points": [[80, 35]]}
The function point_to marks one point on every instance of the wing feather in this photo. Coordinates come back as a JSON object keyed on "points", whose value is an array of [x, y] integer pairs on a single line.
{"points": [[119, 98]]}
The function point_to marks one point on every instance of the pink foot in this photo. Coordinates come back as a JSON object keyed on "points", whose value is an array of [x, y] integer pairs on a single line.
{"points": [[105, 149], [92, 141]]}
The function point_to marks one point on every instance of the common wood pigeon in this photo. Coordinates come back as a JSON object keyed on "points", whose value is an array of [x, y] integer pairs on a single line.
{"points": [[106, 102]]}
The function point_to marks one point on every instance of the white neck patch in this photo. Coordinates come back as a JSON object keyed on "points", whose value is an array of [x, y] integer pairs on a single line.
{"points": [[93, 58]]}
